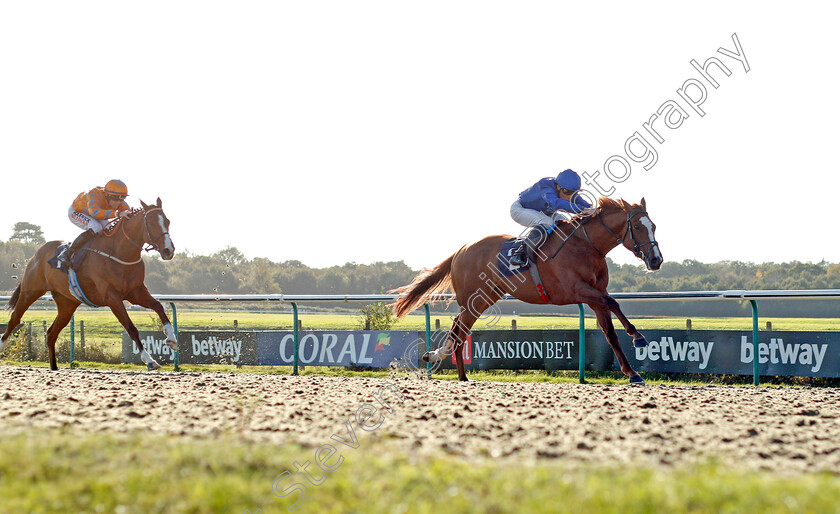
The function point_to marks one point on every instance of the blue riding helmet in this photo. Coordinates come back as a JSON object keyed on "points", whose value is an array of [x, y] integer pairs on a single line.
{"points": [[568, 179]]}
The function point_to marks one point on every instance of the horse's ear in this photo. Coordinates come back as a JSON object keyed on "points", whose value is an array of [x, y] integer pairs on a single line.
{"points": [[644, 205], [624, 205], [160, 204], [143, 204]]}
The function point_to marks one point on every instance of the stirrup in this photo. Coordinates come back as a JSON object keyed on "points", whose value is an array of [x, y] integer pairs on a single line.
{"points": [[64, 258], [519, 258]]}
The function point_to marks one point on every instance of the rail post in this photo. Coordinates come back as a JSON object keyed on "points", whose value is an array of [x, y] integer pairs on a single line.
{"points": [[72, 339], [82, 338], [297, 335], [755, 340], [175, 360], [581, 346], [29, 355], [428, 338]]}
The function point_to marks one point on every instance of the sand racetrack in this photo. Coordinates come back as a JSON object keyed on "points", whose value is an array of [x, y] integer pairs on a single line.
{"points": [[780, 429]]}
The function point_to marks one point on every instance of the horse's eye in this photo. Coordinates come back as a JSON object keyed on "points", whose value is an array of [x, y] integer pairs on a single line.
{"points": [[637, 227]]}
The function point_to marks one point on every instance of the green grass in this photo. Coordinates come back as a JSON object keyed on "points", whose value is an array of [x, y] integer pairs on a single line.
{"points": [[60, 470], [101, 323]]}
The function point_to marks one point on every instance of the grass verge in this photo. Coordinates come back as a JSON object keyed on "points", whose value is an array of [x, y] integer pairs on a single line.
{"points": [[61, 470]]}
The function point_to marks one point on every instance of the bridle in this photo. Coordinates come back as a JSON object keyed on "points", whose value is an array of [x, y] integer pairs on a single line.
{"points": [[637, 248], [147, 236]]}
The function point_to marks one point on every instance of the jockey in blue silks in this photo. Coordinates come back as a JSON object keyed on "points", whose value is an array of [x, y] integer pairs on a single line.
{"points": [[541, 204]]}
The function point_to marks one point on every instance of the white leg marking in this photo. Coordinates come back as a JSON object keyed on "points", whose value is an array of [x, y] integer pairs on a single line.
{"points": [[442, 352], [171, 340], [148, 360]]}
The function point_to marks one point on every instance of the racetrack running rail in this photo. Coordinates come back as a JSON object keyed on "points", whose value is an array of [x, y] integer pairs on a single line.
{"points": [[751, 296]]}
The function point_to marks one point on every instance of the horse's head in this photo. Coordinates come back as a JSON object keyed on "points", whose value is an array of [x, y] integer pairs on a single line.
{"points": [[637, 234], [157, 230]]}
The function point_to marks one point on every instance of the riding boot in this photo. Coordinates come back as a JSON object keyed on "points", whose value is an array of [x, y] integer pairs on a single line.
{"points": [[65, 256], [533, 240]]}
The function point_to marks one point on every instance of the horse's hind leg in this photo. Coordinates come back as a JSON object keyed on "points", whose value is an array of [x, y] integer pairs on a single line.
{"points": [[23, 301], [462, 326], [66, 308], [453, 339]]}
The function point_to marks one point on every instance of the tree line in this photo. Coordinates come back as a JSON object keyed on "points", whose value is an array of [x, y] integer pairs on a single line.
{"points": [[229, 271]]}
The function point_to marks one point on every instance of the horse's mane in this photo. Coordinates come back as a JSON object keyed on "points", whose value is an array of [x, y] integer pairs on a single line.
{"points": [[112, 226], [608, 203], [604, 204]]}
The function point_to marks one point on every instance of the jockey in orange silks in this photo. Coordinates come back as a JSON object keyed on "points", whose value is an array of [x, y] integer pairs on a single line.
{"points": [[92, 211]]}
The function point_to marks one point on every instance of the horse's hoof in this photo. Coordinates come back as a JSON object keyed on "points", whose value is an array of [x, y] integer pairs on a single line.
{"points": [[152, 366], [426, 356], [641, 342], [637, 379]]}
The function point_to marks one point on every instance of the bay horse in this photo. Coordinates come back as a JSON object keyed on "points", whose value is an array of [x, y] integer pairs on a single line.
{"points": [[112, 271], [572, 266]]}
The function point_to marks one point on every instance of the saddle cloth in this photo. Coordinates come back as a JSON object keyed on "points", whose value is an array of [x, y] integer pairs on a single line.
{"points": [[72, 279], [506, 269]]}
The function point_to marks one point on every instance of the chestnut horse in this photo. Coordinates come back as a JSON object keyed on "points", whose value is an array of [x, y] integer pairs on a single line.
{"points": [[572, 265], [112, 271]]}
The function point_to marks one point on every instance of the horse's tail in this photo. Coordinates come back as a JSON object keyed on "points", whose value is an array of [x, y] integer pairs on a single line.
{"points": [[427, 283], [14, 299]]}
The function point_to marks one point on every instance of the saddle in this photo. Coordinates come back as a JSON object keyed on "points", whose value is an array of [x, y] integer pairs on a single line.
{"points": [[75, 261], [506, 269], [509, 247]]}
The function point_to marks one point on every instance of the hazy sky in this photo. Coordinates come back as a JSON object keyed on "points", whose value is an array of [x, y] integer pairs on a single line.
{"points": [[331, 132]]}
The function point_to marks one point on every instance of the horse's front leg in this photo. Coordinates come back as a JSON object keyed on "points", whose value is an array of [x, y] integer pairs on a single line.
{"points": [[115, 302], [591, 295], [606, 324], [144, 298], [603, 304], [638, 339]]}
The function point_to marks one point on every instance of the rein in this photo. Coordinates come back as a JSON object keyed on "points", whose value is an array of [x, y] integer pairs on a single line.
{"points": [[570, 236], [146, 237], [637, 248]]}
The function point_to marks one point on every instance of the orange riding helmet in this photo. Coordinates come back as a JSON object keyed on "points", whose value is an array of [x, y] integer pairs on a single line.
{"points": [[116, 188]]}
